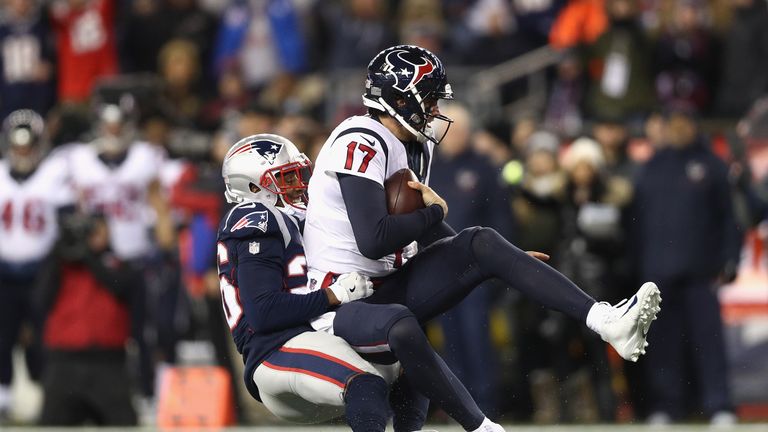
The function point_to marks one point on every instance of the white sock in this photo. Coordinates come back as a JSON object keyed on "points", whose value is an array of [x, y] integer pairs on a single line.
{"points": [[5, 397], [596, 316], [488, 426]]}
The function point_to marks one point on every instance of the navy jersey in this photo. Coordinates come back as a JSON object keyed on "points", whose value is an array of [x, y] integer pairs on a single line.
{"points": [[261, 260]]}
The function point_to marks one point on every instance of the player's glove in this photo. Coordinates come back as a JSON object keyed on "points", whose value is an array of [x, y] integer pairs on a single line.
{"points": [[351, 286]]}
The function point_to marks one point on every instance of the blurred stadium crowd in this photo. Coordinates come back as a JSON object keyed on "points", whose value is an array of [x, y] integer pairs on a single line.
{"points": [[636, 165]]}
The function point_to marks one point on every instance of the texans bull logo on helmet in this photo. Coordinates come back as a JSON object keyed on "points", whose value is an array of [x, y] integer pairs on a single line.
{"points": [[408, 68], [268, 149]]}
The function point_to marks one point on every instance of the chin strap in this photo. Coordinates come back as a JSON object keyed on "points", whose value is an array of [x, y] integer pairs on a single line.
{"points": [[235, 198], [422, 137], [232, 198]]}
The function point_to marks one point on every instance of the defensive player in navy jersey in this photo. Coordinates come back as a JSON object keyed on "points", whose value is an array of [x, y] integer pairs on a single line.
{"points": [[348, 229], [297, 373]]}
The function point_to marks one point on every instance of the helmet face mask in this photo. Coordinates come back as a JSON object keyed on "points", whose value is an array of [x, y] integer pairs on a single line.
{"points": [[23, 142], [114, 130], [270, 164], [406, 82], [289, 182]]}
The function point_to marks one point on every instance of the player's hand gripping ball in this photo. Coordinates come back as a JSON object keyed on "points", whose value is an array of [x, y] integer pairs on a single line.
{"points": [[405, 194]]}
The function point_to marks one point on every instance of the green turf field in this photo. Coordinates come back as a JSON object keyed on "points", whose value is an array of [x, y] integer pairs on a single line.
{"points": [[752, 427]]}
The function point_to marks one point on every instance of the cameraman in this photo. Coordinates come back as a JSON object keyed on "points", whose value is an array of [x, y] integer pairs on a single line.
{"points": [[85, 298]]}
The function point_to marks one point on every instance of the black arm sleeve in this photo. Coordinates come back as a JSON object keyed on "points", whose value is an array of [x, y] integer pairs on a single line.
{"points": [[377, 233]]}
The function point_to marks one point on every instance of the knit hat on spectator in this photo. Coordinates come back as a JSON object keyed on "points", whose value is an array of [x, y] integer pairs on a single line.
{"points": [[543, 141], [583, 150]]}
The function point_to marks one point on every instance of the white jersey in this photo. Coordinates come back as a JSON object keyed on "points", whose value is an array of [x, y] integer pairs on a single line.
{"points": [[28, 225], [120, 193], [171, 171], [362, 147]]}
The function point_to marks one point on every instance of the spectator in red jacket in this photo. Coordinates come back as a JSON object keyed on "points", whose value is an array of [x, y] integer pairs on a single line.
{"points": [[86, 50]]}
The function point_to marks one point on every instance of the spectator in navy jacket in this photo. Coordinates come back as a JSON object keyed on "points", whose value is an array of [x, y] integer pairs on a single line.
{"points": [[687, 242]]}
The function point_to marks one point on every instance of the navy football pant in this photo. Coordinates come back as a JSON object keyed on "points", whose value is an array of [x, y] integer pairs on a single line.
{"points": [[432, 282], [16, 309], [381, 328], [442, 274]]}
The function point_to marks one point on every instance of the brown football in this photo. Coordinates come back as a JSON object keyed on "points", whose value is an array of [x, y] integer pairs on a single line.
{"points": [[401, 198]]}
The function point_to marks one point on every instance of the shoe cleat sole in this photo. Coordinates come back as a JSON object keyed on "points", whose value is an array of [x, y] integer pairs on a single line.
{"points": [[650, 297]]}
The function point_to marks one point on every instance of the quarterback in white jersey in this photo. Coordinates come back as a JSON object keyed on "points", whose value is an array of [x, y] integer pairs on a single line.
{"points": [[113, 178], [348, 226]]}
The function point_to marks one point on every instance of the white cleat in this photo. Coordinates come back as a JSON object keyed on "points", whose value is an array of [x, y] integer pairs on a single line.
{"points": [[489, 426], [626, 324]]}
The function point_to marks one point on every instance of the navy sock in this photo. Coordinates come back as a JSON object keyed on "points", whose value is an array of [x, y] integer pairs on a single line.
{"points": [[366, 402], [408, 406], [496, 257], [428, 373]]}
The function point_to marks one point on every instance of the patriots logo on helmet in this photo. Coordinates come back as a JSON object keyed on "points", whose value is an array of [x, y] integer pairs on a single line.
{"points": [[257, 219], [267, 149], [408, 71]]}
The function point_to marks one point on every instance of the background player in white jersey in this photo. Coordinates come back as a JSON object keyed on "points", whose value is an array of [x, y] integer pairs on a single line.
{"points": [[32, 188], [117, 175], [112, 175], [348, 227]]}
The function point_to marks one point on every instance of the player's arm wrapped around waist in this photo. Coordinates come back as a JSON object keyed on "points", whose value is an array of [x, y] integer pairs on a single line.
{"points": [[267, 307]]}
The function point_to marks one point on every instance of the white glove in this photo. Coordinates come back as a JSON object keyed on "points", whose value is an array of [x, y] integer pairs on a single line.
{"points": [[351, 286]]}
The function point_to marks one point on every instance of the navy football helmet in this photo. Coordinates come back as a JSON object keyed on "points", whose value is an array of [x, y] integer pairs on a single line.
{"points": [[406, 81], [23, 143]]}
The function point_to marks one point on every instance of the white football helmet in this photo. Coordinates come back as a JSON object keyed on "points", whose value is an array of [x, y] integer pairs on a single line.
{"points": [[271, 163], [23, 143], [114, 124]]}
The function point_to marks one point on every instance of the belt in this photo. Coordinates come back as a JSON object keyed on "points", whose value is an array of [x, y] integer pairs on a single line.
{"points": [[330, 278]]}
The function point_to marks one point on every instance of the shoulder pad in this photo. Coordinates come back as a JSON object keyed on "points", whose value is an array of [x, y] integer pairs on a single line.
{"points": [[247, 219], [371, 131], [253, 219]]}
